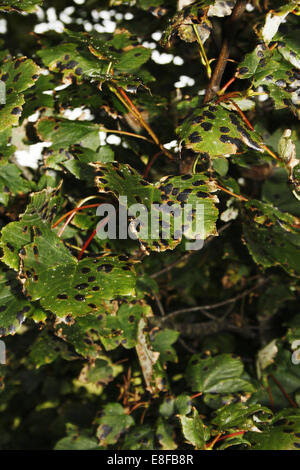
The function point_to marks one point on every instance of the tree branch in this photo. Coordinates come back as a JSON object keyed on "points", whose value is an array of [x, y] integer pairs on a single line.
{"points": [[217, 305], [231, 26]]}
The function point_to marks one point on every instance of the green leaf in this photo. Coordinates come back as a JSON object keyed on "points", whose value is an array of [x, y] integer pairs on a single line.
{"points": [[219, 374], [239, 415], [71, 97], [72, 61], [166, 435], [74, 145], [46, 262], [194, 430], [276, 191], [183, 404], [63, 133], [84, 332], [124, 326], [139, 438], [36, 98], [112, 424], [12, 182], [89, 56], [162, 343], [18, 75], [282, 370], [234, 441], [14, 308], [282, 434], [213, 131], [20, 6], [77, 440], [94, 377], [133, 59], [288, 46], [10, 112], [122, 180], [221, 166], [269, 70], [6, 149], [47, 349], [266, 356], [271, 237], [166, 409], [39, 213], [80, 170]]}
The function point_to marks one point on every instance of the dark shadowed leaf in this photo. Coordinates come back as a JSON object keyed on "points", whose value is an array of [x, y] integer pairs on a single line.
{"points": [[112, 424], [14, 308]]}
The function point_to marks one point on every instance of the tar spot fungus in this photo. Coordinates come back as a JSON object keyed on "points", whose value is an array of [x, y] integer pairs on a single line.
{"points": [[105, 267], [81, 286], [79, 297], [243, 70], [195, 137], [206, 126], [16, 111], [85, 270]]}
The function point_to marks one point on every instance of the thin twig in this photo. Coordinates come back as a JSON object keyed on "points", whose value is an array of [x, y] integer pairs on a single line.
{"points": [[202, 52], [208, 328], [159, 304], [196, 395], [238, 433], [227, 85], [216, 305], [187, 347], [129, 134], [237, 196], [171, 265], [121, 95], [149, 165], [283, 391], [230, 30], [270, 396], [210, 445]]}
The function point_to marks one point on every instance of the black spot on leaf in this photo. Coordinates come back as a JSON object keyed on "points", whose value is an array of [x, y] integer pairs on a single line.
{"points": [[16, 111], [224, 129], [195, 137], [243, 70], [81, 286], [79, 298], [85, 270], [206, 126], [105, 267], [70, 65]]}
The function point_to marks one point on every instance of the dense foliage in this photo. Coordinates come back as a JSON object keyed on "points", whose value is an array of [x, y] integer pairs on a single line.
{"points": [[142, 344]]}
